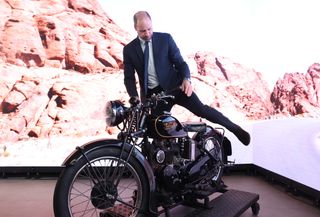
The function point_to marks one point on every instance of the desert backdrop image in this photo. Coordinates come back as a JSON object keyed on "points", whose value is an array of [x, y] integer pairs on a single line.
{"points": [[61, 61]]}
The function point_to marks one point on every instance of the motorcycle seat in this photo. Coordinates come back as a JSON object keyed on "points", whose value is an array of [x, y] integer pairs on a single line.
{"points": [[194, 126]]}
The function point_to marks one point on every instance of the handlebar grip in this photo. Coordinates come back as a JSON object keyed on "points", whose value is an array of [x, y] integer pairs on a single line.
{"points": [[134, 101]]}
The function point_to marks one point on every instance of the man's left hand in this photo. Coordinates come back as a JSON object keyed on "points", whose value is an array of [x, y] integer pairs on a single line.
{"points": [[186, 87]]}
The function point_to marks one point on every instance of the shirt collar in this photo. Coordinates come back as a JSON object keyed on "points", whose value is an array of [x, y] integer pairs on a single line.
{"points": [[143, 41]]}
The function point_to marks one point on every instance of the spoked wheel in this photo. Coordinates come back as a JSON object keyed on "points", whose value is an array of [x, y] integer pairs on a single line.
{"points": [[107, 186]]}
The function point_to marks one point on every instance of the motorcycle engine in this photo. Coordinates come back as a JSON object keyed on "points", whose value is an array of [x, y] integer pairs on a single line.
{"points": [[169, 157], [176, 163], [171, 151]]}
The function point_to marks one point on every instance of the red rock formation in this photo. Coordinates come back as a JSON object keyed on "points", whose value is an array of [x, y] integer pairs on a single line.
{"points": [[60, 61], [234, 85], [63, 38], [76, 35], [298, 93], [43, 102]]}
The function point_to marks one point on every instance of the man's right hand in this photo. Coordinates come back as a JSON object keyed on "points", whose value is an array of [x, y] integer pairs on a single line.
{"points": [[186, 87]]}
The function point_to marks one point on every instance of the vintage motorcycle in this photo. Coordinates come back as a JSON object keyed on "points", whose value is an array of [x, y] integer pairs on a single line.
{"points": [[155, 163]]}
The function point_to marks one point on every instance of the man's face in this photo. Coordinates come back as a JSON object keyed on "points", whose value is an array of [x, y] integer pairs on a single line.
{"points": [[144, 28]]}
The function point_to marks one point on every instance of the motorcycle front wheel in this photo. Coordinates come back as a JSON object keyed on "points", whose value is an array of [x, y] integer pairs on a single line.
{"points": [[101, 184]]}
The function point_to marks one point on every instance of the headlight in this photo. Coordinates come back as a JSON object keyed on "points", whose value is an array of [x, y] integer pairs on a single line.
{"points": [[115, 113]]}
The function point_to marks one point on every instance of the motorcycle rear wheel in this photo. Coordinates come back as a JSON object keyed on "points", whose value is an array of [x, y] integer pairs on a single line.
{"points": [[107, 186]]}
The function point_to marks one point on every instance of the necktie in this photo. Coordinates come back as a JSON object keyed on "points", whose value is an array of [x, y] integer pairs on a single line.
{"points": [[146, 61]]}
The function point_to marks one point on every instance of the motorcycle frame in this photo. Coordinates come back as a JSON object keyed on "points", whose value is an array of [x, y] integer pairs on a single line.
{"points": [[128, 148]]}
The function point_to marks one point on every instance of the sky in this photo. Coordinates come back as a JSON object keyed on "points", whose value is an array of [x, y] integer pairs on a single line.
{"points": [[272, 36]]}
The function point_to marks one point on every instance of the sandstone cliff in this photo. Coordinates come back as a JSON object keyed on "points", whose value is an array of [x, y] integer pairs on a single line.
{"points": [[60, 61], [298, 94]]}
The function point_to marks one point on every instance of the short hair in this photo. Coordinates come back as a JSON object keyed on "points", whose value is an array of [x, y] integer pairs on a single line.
{"points": [[140, 14]]}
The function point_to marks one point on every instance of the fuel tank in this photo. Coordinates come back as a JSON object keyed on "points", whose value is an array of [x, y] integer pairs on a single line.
{"points": [[165, 126]]}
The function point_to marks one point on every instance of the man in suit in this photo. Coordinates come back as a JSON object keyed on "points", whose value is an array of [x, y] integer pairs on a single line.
{"points": [[155, 57]]}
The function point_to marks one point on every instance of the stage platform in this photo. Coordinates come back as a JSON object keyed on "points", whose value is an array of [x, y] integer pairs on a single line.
{"points": [[232, 203], [32, 197]]}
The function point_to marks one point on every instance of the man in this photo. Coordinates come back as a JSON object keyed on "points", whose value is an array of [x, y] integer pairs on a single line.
{"points": [[159, 65]]}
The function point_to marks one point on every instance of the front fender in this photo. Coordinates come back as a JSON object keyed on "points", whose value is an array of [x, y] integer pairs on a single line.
{"points": [[114, 143], [98, 144]]}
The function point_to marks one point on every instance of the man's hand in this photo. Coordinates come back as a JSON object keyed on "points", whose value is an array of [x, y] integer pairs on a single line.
{"points": [[134, 100], [186, 87]]}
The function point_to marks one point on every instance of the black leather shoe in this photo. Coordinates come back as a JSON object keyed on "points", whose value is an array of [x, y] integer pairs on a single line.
{"points": [[243, 136]]}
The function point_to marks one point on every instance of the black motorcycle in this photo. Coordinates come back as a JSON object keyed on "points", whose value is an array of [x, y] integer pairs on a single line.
{"points": [[155, 163]]}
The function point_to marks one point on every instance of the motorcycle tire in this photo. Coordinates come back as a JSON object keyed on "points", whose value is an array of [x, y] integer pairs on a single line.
{"points": [[107, 186]]}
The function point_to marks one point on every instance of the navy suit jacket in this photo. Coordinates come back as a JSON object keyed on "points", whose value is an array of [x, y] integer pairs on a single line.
{"points": [[170, 66]]}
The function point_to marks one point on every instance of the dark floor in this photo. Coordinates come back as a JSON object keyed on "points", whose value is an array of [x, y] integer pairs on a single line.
{"points": [[20, 197]]}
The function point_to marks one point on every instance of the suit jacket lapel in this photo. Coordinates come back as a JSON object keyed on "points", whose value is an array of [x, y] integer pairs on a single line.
{"points": [[138, 50]]}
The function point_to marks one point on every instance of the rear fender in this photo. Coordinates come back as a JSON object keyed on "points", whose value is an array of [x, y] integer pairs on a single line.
{"points": [[212, 132]]}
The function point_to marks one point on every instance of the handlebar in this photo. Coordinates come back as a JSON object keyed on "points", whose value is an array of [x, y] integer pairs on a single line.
{"points": [[151, 101], [155, 98], [160, 96], [116, 112]]}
